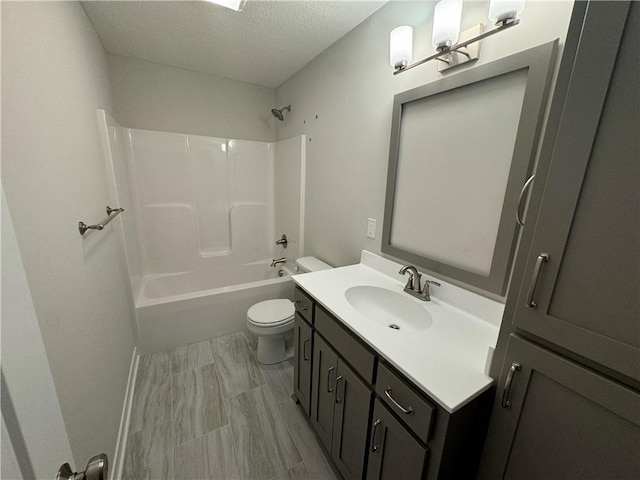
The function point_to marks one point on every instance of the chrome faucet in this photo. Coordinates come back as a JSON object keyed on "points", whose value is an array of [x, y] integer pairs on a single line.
{"points": [[278, 261], [413, 284]]}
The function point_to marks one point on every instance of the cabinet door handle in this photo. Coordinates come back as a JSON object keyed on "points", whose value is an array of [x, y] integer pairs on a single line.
{"points": [[376, 424], [338, 399], [533, 284], [304, 350], [299, 304], [406, 411], [506, 403], [519, 212], [329, 389]]}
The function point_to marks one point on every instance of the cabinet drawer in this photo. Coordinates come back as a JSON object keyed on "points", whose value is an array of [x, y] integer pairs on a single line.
{"points": [[303, 304], [357, 355], [415, 411]]}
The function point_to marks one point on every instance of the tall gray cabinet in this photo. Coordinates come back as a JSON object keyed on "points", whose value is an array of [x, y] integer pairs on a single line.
{"points": [[568, 356]]}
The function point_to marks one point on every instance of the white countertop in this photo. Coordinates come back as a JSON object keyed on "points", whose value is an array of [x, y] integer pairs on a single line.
{"points": [[447, 360]]}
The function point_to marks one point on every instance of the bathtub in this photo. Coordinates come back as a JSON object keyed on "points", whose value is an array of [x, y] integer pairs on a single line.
{"points": [[177, 309]]}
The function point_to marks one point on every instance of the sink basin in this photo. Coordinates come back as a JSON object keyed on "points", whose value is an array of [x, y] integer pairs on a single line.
{"points": [[391, 309]]}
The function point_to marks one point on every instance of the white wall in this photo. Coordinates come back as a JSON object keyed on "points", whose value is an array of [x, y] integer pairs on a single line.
{"points": [[150, 96], [54, 77], [342, 101]]}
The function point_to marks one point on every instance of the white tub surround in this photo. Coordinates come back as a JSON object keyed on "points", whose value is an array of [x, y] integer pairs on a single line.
{"points": [[200, 227], [446, 360]]}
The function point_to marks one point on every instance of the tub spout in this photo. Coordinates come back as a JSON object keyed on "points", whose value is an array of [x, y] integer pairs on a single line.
{"points": [[278, 261]]}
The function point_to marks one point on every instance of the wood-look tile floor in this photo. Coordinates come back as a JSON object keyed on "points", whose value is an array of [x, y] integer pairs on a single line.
{"points": [[209, 410]]}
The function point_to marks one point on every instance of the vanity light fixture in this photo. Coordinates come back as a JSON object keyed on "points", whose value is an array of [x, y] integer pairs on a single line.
{"points": [[452, 47], [236, 5]]}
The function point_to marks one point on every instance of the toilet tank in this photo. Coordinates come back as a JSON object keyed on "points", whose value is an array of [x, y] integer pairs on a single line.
{"points": [[311, 264]]}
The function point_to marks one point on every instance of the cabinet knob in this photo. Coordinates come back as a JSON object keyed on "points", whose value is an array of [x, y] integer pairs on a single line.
{"points": [[406, 411], [521, 202], [338, 399], [376, 424], [506, 403], [304, 350], [533, 284], [329, 389]]}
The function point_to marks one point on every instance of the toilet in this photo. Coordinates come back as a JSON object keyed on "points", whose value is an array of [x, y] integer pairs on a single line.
{"points": [[272, 320]]}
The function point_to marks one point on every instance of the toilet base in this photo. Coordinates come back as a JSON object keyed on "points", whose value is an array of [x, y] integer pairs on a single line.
{"points": [[273, 350]]}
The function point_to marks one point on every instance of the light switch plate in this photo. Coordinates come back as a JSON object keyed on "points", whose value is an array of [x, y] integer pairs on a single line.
{"points": [[371, 228]]}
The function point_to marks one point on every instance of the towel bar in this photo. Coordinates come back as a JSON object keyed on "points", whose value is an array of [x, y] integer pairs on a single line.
{"points": [[83, 227]]}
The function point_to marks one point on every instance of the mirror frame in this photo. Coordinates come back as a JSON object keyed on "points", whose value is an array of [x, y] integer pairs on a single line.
{"points": [[539, 61]]}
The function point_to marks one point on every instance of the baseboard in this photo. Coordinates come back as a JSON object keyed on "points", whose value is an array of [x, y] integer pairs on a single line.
{"points": [[117, 464]]}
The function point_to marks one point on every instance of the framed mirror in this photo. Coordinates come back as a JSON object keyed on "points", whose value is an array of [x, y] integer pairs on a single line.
{"points": [[461, 150]]}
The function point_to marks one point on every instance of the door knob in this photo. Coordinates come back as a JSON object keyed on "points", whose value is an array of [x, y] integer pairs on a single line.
{"points": [[97, 469]]}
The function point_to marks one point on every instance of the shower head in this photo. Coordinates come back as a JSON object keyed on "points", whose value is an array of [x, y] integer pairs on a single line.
{"points": [[279, 114]]}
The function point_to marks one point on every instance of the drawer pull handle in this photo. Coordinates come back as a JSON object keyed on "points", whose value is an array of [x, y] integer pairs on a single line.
{"points": [[338, 399], [304, 350], [519, 212], [542, 258], [299, 305], [406, 411], [506, 403], [374, 447], [329, 389]]}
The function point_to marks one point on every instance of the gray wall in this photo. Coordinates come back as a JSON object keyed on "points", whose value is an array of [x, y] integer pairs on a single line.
{"points": [[29, 398], [151, 96], [350, 88], [54, 77]]}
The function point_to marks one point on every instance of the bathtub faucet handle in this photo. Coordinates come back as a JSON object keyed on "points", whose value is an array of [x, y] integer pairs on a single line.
{"points": [[278, 261], [283, 241]]}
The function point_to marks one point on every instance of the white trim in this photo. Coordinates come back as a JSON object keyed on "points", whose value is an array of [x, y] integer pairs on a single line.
{"points": [[303, 191], [117, 465]]}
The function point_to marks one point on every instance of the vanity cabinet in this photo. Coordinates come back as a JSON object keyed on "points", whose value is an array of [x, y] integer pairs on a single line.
{"points": [[405, 435], [350, 422], [303, 336], [393, 452], [568, 355], [341, 401], [323, 398], [303, 348]]}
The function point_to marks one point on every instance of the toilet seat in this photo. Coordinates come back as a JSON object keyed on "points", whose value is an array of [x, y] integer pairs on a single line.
{"points": [[271, 313]]}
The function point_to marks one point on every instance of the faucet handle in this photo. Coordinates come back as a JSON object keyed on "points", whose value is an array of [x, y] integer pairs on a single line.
{"points": [[426, 294]]}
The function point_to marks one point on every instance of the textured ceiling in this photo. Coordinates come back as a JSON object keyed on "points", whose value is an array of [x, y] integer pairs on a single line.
{"points": [[265, 43]]}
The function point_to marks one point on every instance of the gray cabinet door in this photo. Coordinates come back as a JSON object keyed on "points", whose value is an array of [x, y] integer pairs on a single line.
{"points": [[393, 452], [584, 298], [323, 389], [554, 419], [303, 349], [351, 419]]}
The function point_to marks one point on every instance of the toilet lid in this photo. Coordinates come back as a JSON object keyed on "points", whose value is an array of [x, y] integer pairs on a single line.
{"points": [[271, 312]]}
